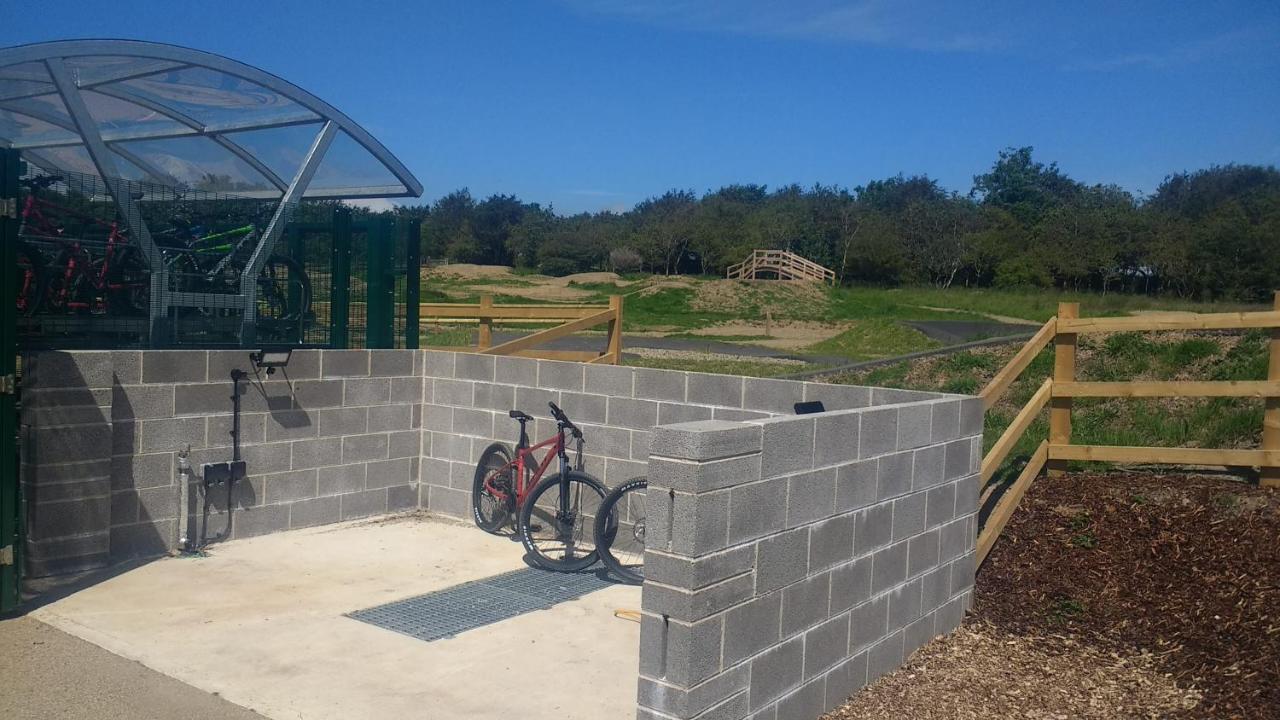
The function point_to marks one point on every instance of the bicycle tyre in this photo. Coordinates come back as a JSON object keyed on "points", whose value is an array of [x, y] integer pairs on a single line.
{"points": [[490, 513], [129, 282], [561, 551], [269, 289], [625, 503]]}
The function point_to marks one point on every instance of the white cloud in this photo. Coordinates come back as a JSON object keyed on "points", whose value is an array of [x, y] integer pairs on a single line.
{"points": [[1187, 53], [902, 23]]}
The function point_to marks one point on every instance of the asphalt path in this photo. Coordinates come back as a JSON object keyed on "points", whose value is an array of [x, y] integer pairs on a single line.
{"points": [[50, 675]]}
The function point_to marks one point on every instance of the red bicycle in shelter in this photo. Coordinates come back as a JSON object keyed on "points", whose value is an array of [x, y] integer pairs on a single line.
{"points": [[556, 515], [76, 281]]}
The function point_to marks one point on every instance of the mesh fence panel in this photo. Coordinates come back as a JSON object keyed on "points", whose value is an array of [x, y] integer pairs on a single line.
{"points": [[84, 281]]}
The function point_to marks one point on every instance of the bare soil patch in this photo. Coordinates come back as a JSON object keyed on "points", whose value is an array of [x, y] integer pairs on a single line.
{"points": [[693, 355], [780, 297], [467, 271], [1176, 577], [789, 335]]}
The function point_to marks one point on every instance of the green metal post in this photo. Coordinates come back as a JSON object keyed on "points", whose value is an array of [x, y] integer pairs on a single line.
{"points": [[10, 495], [413, 283], [340, 293], [382, 287], [293, 240]]}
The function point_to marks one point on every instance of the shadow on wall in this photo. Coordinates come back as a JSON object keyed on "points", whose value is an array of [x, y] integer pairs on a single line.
{"points": [[84, 493]]}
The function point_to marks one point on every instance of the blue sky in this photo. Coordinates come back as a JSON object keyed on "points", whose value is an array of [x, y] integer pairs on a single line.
{"points": [[595, 104]]}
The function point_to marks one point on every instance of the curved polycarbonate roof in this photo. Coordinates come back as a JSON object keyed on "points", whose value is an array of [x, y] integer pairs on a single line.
{"points": [[177, 116]]}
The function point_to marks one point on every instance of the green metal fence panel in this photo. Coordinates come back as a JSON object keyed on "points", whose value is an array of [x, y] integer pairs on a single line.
{"points": [[413, 283], [381, 282], [340, 288], [10, 497]]}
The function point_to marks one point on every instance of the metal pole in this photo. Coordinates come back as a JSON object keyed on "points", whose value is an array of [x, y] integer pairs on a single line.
{"points": [[413, 284], [298, 186], [120, 191], [380, 302], [340, 290]]}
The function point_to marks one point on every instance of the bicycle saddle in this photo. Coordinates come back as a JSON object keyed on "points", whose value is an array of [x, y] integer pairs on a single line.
{"points": [[517, 415]]}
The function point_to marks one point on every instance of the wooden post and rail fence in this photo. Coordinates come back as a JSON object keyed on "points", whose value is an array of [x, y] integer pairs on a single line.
{"points": [[569, 319], [1059, 391]]}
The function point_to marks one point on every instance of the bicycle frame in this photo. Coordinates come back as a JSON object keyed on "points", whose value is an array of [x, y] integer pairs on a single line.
{"points": [[524, 459], [32, 216]]}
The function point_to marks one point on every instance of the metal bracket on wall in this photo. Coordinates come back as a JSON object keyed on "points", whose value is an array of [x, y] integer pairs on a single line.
{"points": [[9, 208]]}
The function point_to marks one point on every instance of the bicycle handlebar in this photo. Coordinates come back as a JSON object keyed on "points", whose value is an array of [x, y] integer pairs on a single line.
{"points": [[42, 181], [564, 420]]}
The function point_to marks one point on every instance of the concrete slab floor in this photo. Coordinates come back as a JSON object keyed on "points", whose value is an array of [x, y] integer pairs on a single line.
{"points": [[260, 622]]}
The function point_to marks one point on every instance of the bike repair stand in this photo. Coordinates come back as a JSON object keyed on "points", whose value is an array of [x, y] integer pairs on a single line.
{"points": [[225, 473]]}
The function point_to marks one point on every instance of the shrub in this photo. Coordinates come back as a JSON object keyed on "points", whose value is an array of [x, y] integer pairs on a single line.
{"points": [[558, 266], [624, 259]]}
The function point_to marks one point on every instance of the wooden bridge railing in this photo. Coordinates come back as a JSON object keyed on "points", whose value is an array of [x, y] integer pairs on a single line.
{"points": [[784, 263], [572, 318], [1058, 392]]}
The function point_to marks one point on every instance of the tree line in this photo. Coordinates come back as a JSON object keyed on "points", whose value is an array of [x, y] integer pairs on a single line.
{"points": [[1208, 234]]}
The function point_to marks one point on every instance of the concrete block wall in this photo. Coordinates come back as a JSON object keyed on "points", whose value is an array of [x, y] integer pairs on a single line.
{"points": [[793, 560], [467, 396], [336, 435]]}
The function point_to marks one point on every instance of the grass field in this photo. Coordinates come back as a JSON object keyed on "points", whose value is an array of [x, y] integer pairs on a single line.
{"points": [[850, 323], [1154, 422]]}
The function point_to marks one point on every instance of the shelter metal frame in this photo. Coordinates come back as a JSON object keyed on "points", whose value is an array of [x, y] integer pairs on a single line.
{"points": [[105, 145]]}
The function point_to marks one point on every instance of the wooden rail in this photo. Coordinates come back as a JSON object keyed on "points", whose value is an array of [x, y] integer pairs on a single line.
{"points": [[783, 263], [1058, 391], [572, 318]]}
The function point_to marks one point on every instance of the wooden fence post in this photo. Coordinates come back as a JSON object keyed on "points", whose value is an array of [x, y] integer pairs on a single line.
{"points": [[615, 330], [486, 322], [1064, 370], [1270, 476]]}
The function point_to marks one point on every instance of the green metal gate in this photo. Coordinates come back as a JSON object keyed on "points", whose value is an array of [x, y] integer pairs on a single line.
{"points": [[10, 498]]}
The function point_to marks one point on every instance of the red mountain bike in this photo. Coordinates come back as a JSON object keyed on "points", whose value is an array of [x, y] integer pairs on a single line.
{"points": [[75, 281], [556, 518]]}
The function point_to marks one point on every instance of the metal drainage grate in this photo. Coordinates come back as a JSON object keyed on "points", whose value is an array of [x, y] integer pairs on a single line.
{"points": [[445, 613]]}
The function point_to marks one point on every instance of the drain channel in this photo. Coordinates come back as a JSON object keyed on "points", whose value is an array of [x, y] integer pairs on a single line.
{"points": [[445, 613]]}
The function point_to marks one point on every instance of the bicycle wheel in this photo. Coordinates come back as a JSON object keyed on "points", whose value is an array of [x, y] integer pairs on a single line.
{"points": [[129, 284], [284, 290], [492, 510], [620, 527], [31, 279], [557, 520]]}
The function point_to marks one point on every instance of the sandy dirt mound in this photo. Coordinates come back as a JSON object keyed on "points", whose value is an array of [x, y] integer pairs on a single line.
{"points": [[471, 272], [656, 285], [589, 277], [778, 297]]}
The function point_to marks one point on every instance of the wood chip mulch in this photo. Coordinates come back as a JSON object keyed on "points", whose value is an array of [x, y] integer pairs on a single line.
{"points": [[1112, 596]]}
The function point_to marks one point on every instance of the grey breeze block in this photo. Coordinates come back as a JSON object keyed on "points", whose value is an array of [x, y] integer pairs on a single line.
{"points": [[793, 560]]}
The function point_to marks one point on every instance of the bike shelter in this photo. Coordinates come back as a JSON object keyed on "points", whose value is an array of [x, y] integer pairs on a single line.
{"points": [[135, 130]]}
